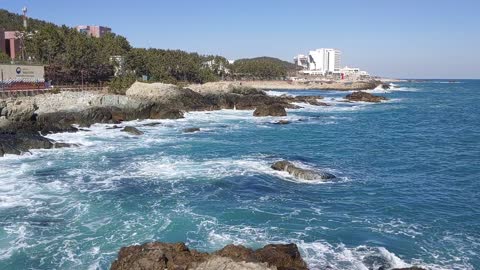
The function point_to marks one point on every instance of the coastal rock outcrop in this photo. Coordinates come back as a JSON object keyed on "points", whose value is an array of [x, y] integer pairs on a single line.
{"points": [[312, 100], [300, 173], [19, 110], [132, 130], [20, 143], [61, 112], [159, 255], [364, 96], [270, 110]]}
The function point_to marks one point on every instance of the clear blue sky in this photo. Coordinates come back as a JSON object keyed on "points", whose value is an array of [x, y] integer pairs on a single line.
{"points": [[405, 38]]}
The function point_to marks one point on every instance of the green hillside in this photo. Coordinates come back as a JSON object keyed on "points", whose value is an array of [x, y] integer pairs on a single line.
{"points": [[14, 22]]}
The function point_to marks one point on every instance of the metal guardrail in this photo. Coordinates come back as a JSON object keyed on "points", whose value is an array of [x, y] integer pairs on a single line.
{"points": [[32, 92]]}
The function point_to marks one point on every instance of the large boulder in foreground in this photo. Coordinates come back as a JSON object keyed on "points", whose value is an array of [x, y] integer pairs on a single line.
{"points": [[270, 110], [300, 173], [364, 96], [178, 256]]}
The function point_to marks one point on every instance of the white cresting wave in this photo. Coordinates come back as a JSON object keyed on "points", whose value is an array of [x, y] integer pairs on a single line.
{"points": [[318, 254]]}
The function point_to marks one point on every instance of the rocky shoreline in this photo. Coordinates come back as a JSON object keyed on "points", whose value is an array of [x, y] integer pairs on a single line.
{"points": [[22, 119], [177, 256], [293, 85]]}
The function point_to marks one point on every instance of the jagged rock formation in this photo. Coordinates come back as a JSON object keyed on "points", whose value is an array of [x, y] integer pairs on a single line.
{"points": [[178, 256]]}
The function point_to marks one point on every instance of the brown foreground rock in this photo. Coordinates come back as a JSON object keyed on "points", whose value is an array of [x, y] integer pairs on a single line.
{"points": [[364, 96], [178, 256]]}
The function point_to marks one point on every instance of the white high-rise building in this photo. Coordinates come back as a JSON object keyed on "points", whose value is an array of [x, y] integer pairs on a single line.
{"points": [[323, 61], [301, 60]]}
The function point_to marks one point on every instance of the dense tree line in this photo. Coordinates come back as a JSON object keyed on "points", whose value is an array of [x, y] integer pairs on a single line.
{"points": [[14, 22], [259, 68], [71, 56], [74, 57], [171, 66]]}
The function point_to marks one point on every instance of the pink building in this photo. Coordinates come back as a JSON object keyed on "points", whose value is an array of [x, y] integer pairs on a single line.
{"points": [[10, 43], [94, 31]]}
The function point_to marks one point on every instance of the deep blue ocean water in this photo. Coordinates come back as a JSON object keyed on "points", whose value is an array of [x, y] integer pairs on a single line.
{"points": [[407, 192]]}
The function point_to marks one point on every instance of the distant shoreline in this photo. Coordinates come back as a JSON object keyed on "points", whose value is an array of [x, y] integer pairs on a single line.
{"points": [[292, 85]]}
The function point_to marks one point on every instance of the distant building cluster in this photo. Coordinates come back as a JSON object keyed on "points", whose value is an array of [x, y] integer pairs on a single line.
{"points": [[94, 30], [326, 62]]}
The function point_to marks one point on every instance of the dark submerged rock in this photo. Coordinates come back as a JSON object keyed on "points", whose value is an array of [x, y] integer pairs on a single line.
{"points": [[364, 96], [409, 268], [152, 124], [178, 256], [270, 110], [132, 130], [191, 130], [299, 172], [282, 122]]}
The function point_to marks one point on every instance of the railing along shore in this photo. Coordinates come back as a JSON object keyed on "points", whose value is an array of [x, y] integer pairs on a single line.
{"points": [[7, 93]]}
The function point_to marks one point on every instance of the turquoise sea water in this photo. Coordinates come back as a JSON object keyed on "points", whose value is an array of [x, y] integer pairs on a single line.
{"points": [[408, 187]]}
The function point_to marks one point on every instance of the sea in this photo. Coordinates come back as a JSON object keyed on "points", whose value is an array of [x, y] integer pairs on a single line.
{"points": [[407, 190]]}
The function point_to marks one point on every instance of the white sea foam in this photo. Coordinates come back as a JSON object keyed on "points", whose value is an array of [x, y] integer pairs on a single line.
{"points": [[318, 254], [337, 105], [279, 93]]}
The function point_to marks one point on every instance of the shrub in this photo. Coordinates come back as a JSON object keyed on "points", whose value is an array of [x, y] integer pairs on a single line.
{"points": [[119, 85]]}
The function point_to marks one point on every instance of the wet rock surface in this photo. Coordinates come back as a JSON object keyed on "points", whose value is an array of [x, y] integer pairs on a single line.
{"points": [[270, 110], [159, 255], [300, 173], [365, 97], [132, 130], [19, 143]]}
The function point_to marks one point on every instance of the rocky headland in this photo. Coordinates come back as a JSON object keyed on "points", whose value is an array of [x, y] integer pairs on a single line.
{"points": [[23, 119]]}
